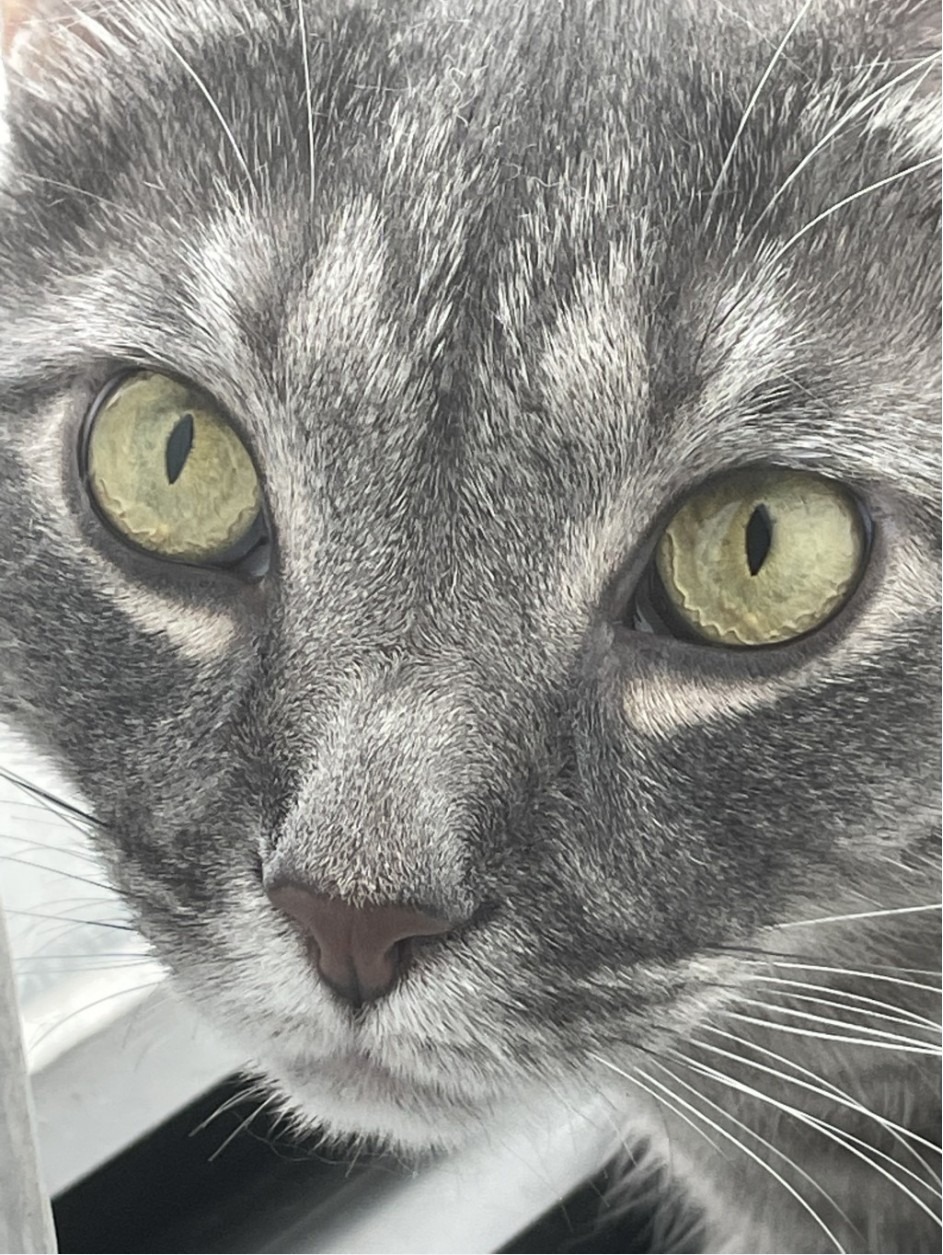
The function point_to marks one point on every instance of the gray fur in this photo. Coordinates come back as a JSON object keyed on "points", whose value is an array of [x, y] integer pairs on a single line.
{"points": [[488, 287]]}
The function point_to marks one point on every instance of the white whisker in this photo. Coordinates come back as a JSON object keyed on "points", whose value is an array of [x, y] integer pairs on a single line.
{"points": [[751, 105], [900, 1014], [833, 209], [32, 845], [124, 212], [303, 36], [208, 97], [747, 1151], [123, 992], [243, 1126], [773, 1026], [857, 109], [920, 1022], [827, 1130], [758, 31], [661, 1102], [850, 971], [763, 1141], [825, 1089], [782, 1009], [253, 1089], [838, 919]]}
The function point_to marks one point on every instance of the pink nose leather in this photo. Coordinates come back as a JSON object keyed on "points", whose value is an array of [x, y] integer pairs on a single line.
{"points": [[360, 950]]}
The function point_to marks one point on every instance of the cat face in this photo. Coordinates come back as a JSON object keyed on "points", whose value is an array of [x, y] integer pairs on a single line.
{"points": [[485, 302]]}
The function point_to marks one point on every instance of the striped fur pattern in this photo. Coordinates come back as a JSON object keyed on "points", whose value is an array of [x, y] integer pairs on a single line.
{"points": [[488, 287]]}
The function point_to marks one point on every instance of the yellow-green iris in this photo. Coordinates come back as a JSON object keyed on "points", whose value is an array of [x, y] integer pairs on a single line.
{"points": [[761, 556], [169, 471]]}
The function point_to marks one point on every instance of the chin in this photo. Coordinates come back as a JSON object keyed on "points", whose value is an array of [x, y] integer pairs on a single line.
{"points": [[349, 1096]]}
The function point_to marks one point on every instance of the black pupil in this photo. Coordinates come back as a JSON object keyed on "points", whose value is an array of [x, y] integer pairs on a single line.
{"points": [[759, 538], [179, 444]]}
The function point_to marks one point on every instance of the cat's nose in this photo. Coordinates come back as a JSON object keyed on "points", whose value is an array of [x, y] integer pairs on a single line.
{"points": [[359, 950]]}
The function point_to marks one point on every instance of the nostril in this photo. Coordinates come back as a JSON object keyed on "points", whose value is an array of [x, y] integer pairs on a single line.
{"points": [[359, 951]]}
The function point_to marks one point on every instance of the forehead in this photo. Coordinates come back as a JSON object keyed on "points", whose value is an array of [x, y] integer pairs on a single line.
{"points": [[489, 271]]}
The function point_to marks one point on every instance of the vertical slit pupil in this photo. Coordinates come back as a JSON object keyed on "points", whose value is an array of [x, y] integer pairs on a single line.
{"points": [[179, 444], [759, 537]]}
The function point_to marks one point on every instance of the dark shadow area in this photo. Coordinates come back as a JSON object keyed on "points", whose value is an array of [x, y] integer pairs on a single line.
{"points": [[579, 1224], [220, 1177], [188, 1188]]}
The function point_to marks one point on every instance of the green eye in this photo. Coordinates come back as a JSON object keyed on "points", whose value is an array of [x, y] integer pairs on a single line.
{"points": [[761, 557], [169, 472]]}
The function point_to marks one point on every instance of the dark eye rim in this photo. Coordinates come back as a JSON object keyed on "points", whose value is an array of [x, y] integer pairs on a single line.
{"points": [[249, 558], [651, 611]]}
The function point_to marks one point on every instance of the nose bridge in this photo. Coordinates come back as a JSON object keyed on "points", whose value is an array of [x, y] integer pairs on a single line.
{"points": [[393, 795]]}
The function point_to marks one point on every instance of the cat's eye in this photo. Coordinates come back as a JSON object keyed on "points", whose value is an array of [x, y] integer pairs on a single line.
{"points": [[169, 472], [760, 557]]}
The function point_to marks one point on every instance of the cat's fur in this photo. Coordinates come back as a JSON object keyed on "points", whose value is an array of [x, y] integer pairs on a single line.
{"points": [[489, 286]]}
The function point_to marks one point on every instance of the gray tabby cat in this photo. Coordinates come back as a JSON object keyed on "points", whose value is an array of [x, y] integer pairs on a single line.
{"points": [[469, 506]]}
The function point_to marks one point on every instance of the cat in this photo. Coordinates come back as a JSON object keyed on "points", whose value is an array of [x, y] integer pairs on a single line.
{"points": [[470, 504]]}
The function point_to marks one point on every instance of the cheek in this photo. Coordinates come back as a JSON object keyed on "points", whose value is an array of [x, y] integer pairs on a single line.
{"points": [[689, 839], [190, 632]]}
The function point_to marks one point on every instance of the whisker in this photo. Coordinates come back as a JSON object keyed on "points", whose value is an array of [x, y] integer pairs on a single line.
{"points": [[758, 31], [124, 991], [251, 1089], [821, 1019], [306, 62], [874, 975], [839, 919], [210, 100], [769, 263], [119, 964], [856, 110], [70, 919], [769, 1146], [73, 901], [633, 1079], [752, 1155], [55, 871], [844, 993], [50, 799], [31, 845], [124, 211], [241, 1127], [751, 106], [126, 956], [58, 936], [825, 1089], [774, 1026], [828, 1130], [840, 204]]}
